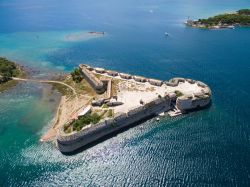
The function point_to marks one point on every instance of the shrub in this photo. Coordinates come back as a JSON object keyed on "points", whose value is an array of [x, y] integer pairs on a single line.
{"points": [[76, 75], [178, 93], [8, 69], [85, 120], [104, 106], [110, 113]]}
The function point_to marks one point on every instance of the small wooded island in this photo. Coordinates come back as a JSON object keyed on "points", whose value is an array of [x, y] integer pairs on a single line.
{"points": [[9, 69], [229, 20]]}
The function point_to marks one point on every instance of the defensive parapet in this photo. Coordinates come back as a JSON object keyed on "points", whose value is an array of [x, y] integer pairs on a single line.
{"points": [[196, 100], [125, 76], [155, 82], [112, 73], [92, 79], [139, 79], [136, 78], [174, 82], [68, 143]]}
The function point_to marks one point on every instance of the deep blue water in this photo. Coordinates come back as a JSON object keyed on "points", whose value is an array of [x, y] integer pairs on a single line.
{"points": [[205, 148]]}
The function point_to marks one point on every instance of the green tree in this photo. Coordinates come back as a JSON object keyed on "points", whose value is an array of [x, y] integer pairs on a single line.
{"points": [[76, 75]]}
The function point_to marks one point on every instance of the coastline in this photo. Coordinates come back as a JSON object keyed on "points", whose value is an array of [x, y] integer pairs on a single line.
{"points": [[67, 110], [23, 73], [51, 132], [223, 21]]}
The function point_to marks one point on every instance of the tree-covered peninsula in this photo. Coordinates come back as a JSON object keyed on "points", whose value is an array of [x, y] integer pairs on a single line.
{"points": [[8, 69], [229, 20]]}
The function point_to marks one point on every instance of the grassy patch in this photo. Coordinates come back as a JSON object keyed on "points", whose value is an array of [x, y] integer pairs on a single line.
{"points": [[98, 76], [104, 106], [62, 89], [110, 113], [81, 87], [85, 120], [178, 93]]}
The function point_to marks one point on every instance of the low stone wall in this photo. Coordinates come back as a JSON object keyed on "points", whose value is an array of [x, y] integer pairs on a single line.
{"points": [[69, 143]]}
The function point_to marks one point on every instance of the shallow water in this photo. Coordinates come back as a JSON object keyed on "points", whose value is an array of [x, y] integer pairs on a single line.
{"points": [[209, 147]]}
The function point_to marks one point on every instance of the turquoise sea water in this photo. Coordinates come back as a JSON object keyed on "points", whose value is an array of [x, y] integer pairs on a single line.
{"points": [[205, 148]]}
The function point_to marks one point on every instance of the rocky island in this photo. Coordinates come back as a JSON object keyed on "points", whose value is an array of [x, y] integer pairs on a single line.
{"points": [[229, 20]]}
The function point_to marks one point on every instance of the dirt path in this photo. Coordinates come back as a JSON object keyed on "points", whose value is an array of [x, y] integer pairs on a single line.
{"points": [[67, 108], [46, 81]]}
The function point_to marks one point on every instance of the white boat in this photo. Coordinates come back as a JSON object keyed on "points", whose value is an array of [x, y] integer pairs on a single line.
{"points": [[162, 114], [231, 27], [174, 113]]}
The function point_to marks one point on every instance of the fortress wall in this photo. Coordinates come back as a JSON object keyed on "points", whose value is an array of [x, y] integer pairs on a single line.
{"points": [[154, 82], [71, 142], [184, 103], [192, 103], [92, 80], [201, 102], [75, 141]]}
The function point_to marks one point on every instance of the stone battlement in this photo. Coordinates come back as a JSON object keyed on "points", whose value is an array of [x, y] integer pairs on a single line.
{"points": [[195, 94], [71, 142]]}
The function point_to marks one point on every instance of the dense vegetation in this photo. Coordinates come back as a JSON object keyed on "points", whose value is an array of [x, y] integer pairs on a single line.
{"points": [[110, 113], [242, 17], [244, 12], [85, 120], [76, 75], [4, 79], [8, 69]]}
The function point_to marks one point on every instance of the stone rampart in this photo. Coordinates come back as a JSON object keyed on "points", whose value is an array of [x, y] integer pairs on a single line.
{"points": [[92, 79], [69, 143]]}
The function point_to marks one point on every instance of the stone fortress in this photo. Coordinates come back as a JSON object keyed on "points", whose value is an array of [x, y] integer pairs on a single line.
{"points": [[137, 99]]}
